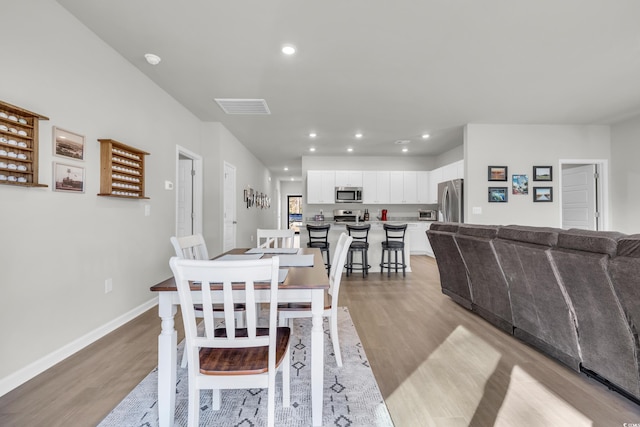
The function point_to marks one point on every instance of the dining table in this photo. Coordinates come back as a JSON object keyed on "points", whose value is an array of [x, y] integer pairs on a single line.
{"points": [[301, 284]]}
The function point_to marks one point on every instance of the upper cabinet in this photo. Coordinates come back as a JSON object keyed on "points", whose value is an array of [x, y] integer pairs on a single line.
{"points": [[321, 186], [404, 189], [19, 146], [422, 182], [348, 178], [445, 173], [375, 187]]}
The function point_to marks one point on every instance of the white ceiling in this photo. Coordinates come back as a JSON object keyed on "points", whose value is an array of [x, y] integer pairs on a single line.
{"points": [[390, 69]]}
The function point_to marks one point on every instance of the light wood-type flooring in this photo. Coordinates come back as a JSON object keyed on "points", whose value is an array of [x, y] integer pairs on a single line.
{"points": [[436, 364]]}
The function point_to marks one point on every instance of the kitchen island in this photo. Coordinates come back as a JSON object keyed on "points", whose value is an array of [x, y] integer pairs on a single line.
{"points": [[416, 242]]}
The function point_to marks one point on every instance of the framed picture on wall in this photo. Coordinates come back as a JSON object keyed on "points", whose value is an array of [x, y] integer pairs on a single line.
{"points": [[543, 194], [68, 178], [519, 184], [542, 173], [68, 144], [497, 173], [498, 194]]}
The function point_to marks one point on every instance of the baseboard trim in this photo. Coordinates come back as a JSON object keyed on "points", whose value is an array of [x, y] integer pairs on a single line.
{"points": [[28, 372]]}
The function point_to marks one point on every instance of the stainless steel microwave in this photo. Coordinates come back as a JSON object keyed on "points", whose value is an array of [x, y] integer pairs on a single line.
{"points": [[348, 194], [427, 215]]}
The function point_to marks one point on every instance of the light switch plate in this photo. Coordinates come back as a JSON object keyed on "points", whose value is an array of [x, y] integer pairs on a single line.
{"points": [[168, 185], [477, 210]]}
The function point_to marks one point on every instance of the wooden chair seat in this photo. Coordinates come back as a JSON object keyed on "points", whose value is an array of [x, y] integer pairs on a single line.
{"points": [[220, 307], [243, 361], [298, 306]]}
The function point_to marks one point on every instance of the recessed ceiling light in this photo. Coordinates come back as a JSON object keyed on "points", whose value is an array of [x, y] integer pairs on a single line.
{"points": [[291, 178], [405, 149], [358, 135], [313, 135], [286, 168], [350, 149], [312, 149], [288, 49], [152, 59], [425, 136]]}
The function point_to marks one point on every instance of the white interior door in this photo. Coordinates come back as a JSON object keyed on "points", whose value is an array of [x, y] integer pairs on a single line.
{"points": [[184, 186], [188, 192], [229, 215], [579, 197]]}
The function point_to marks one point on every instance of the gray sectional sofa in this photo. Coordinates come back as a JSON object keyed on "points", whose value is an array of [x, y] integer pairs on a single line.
{"points": [[572, 294]]}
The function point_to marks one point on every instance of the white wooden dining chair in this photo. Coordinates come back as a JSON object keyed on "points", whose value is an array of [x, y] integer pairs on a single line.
{"points": [[194, 247], [229, 358], [289, 311], [271, 238]]}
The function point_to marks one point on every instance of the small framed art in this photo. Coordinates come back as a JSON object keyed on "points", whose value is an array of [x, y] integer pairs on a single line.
{"points": [[68, 144], [543, 194], [498, 194], [497, 173], [68, 178], [542, 173], [519, 184]]}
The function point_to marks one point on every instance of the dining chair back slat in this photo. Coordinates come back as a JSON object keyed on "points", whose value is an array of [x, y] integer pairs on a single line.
{"points": [[271, 238]]}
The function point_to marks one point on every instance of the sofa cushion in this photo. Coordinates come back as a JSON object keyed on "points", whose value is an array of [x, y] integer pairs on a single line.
{"points": [[449, 227], [602, 242], [475, 230], [544, 236], [629, 246]]}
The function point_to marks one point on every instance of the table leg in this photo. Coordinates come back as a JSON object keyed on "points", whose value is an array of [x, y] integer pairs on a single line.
{"points": [[167, 359], [317, 356]]}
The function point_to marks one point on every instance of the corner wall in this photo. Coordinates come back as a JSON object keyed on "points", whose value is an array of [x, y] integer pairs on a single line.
{"points": [[625, 175]]}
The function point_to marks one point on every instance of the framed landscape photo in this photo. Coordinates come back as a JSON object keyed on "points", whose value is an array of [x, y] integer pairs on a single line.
{"points": [[519, 184], [68, 178], [543, 194], [497, 173], [542, 173], [498, 194], [68, 144]]}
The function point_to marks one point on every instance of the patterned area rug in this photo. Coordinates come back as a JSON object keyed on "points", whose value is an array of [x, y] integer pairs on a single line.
{"points": [[351, 394]]}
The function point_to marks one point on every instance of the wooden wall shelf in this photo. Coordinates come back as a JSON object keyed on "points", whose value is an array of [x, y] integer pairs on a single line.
{"points": [[122, 170], [19, 146]]}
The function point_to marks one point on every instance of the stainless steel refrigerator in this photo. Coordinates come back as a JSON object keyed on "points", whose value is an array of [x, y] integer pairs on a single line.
{"points": [[450, 201]]}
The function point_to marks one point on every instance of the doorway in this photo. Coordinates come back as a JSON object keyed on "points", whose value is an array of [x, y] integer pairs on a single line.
{"points": [[294, 213], [229, 208], [188, 192], [583, 194]]}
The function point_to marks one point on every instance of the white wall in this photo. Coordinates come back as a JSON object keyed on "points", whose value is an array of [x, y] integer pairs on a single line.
{"points": [[58, 248], [520, 147], [625, 176]]}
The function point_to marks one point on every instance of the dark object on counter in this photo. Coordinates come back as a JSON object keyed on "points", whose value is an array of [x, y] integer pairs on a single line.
{"points": [[394, 242], [360, 243], [366, 214], [319, 238]]}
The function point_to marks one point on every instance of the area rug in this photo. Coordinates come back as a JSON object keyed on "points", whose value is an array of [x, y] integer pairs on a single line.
{"points": [[351, 394]]}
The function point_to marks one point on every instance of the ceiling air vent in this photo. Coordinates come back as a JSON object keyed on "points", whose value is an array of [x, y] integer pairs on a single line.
{"points": [[243, 106]]}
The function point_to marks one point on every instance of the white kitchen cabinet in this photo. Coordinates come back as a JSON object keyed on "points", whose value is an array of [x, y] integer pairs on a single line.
{"points": [[418, 241], [422, 183], [321, 187], [375, 187], [348, 179], [453, 171], [403, 187], [435, 177]]}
